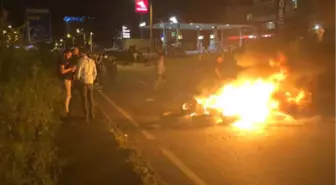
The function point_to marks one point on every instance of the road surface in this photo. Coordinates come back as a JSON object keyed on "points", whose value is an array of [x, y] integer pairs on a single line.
{"points": [[201, 152]]}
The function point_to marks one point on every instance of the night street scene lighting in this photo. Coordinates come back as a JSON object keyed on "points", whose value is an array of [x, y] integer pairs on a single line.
{"points": [[173, 19], [131, 92], [142, 24]]}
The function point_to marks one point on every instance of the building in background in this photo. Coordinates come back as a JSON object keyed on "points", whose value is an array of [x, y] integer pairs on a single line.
{"points": [[236, 14], [272, 14], [38, 25]]}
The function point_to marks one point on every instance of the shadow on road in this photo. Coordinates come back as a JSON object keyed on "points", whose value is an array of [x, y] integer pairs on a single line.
{"points": [[92, 155]]}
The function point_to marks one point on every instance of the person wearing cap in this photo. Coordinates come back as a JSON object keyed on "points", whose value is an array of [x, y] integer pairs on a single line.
{"points": [[86, 74], [67, 70]]}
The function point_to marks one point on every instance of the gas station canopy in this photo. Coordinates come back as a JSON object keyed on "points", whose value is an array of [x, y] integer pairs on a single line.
{"points": [[198, 26]]}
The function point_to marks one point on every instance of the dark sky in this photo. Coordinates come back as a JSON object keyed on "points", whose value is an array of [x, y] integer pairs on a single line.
{"points": [[110, 14]]}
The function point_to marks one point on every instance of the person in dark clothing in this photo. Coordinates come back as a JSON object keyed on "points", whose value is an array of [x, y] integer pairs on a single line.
{"points": [[75, 55], [113, 68], [67, 70], [219, 66]]}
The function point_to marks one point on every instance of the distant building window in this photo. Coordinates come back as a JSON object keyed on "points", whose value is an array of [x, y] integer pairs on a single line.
{"points": [[270, 25], [249, 16], [294, 4]]}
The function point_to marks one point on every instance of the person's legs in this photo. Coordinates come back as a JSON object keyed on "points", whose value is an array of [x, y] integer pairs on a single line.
{"points": [[67, 84], [85, 101], [91, 100]]}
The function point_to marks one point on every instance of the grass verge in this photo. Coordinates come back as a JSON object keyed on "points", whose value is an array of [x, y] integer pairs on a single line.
{"points": [[95, 153]]}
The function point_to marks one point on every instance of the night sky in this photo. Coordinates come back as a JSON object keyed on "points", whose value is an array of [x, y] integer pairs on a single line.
{"points": [[111, 14]]}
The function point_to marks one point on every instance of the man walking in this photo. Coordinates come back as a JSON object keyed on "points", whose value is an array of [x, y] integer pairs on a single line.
{"points": [[86, 74]]}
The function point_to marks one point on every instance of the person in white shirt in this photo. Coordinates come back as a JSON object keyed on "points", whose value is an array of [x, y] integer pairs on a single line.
{"points": [[160, 70], [86, 74]]}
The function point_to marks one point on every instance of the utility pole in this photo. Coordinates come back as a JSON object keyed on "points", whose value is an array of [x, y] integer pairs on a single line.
{"points": [[151, 26], [141, 29]]}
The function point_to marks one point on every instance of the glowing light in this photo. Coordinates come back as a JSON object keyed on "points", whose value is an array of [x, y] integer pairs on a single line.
{"points": [[252, 103], [143, 24], [173, 19]]}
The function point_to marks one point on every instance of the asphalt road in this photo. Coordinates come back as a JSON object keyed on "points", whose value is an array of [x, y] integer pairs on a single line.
{"points": [[201, 152]]}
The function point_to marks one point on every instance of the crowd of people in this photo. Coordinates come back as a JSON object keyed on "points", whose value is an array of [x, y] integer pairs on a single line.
{"points": [[83, 71]]}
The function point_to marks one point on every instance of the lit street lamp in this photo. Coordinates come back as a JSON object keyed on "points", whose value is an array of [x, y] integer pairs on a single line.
{"points": [[81, 32], [174, 20], [73, 39], [10, 26], [141, 25], [91, 43]]}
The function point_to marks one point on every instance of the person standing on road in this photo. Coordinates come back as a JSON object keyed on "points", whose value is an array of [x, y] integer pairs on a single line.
{"points": [[67, 69], [113, 69], [219, 66], [160, 70], [86, 74]]}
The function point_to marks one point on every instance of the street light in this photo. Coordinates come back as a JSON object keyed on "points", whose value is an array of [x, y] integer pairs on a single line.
{"points": [[142, 24], [4, 31], [78, 30], [173, 20], [68, 35], [61, 40], [91, 33], [10, 26]]}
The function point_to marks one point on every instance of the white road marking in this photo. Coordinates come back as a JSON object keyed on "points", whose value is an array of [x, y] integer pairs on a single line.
{"points": [[148, 135], [169, 154], [143, 82], [125, 114], [187, 171], [105, 114]]}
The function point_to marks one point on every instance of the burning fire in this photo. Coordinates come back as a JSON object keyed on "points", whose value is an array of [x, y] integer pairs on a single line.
{"points": [[251, 102]]}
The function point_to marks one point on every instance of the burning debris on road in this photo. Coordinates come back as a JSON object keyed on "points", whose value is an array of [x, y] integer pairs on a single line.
{"points": [[252, 102]]}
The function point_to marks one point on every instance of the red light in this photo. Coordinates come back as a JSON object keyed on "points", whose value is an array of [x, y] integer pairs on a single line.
{"points": [[141, 6]]}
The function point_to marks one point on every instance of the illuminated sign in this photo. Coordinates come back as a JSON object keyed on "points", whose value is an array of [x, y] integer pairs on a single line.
{"points": [[38, 25], [68, 19], [141, 6], [281, 13], [126, 33]]}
